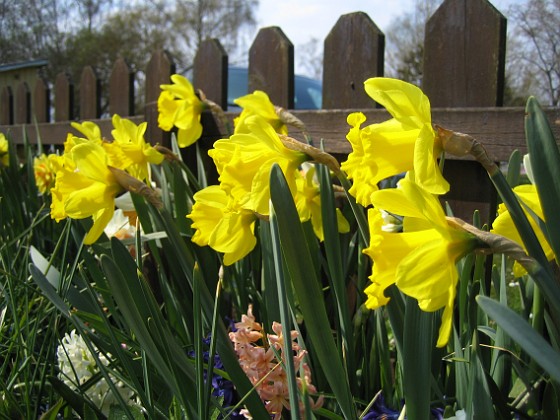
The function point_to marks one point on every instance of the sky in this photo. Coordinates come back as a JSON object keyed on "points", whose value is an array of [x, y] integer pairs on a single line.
{"points": [[303, 19]]}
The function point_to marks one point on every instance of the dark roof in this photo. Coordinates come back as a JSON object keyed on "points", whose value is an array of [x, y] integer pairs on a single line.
{"points": [[23, 65]]}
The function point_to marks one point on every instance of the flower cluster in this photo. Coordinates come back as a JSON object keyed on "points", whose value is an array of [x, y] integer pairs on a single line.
{"points": [[221, 387], [77, 367], [93, 171], [420, 256], [224, 216], [264, 368], [45, 168], [420, 259]]}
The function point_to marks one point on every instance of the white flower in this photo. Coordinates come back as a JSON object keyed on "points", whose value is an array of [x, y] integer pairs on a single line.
{"points": [[528, 168], [459, 415], [119, 226], [77, 365]]}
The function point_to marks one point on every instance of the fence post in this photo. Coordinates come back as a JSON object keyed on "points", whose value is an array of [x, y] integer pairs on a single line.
{"points": [[41, 101], [121, 89], [7, 106], [353, 52], [271, 66], [159, 70], [210, 72], [464, 67], [23, 104], [63, 98], [90, 94], [464, 61]]}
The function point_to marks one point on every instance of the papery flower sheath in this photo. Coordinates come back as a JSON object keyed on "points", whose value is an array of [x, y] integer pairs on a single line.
{"points": [[244, 162], [178, 106], [421, 259], [405, 142], [503, 225], [221, 223], [258, 103]]}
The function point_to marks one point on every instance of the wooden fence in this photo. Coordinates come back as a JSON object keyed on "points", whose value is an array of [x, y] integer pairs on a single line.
{"points": [[464, 65]]}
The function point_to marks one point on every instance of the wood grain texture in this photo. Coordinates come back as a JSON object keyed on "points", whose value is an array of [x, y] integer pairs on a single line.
{"points": [[23, 104], [210, 71], [353, 53], [63, 98], [90, 94], [159, 70], [500, 130], [271, 66], [6, 106], [464, 55], [121, 89], [42, 101]]}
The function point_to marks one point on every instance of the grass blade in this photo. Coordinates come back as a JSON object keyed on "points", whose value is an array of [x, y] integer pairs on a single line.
{"points": [[306, 285]]}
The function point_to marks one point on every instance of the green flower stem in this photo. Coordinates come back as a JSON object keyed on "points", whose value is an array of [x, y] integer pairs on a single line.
{"points": [[357, 209], [330, 162], [284, 316]]}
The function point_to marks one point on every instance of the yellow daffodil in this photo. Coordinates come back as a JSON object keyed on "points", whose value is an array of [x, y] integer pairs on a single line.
{"points": [[405, 142], [244, 162], [88, 129], [258, 103], [4, 156], [87, 191], [221, 223], [134, 153], [503, 225], [308, 204], [421, 259], [178, 106], [45, 168]]}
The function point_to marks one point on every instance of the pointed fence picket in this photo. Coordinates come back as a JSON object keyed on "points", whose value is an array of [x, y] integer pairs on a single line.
{"points": [[463, 76]]}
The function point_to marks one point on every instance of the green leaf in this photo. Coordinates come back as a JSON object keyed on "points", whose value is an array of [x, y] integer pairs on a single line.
{"points": [[176, 251], [144, 317], [335, 268], [541, 273], [308, 290], [514, 168], [284, 314], [524, 335], [418, 345], [479, 404], [545, 163]]}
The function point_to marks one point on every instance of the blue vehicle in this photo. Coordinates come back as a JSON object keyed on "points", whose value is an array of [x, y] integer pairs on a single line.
{"points": [[308, 92]]}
